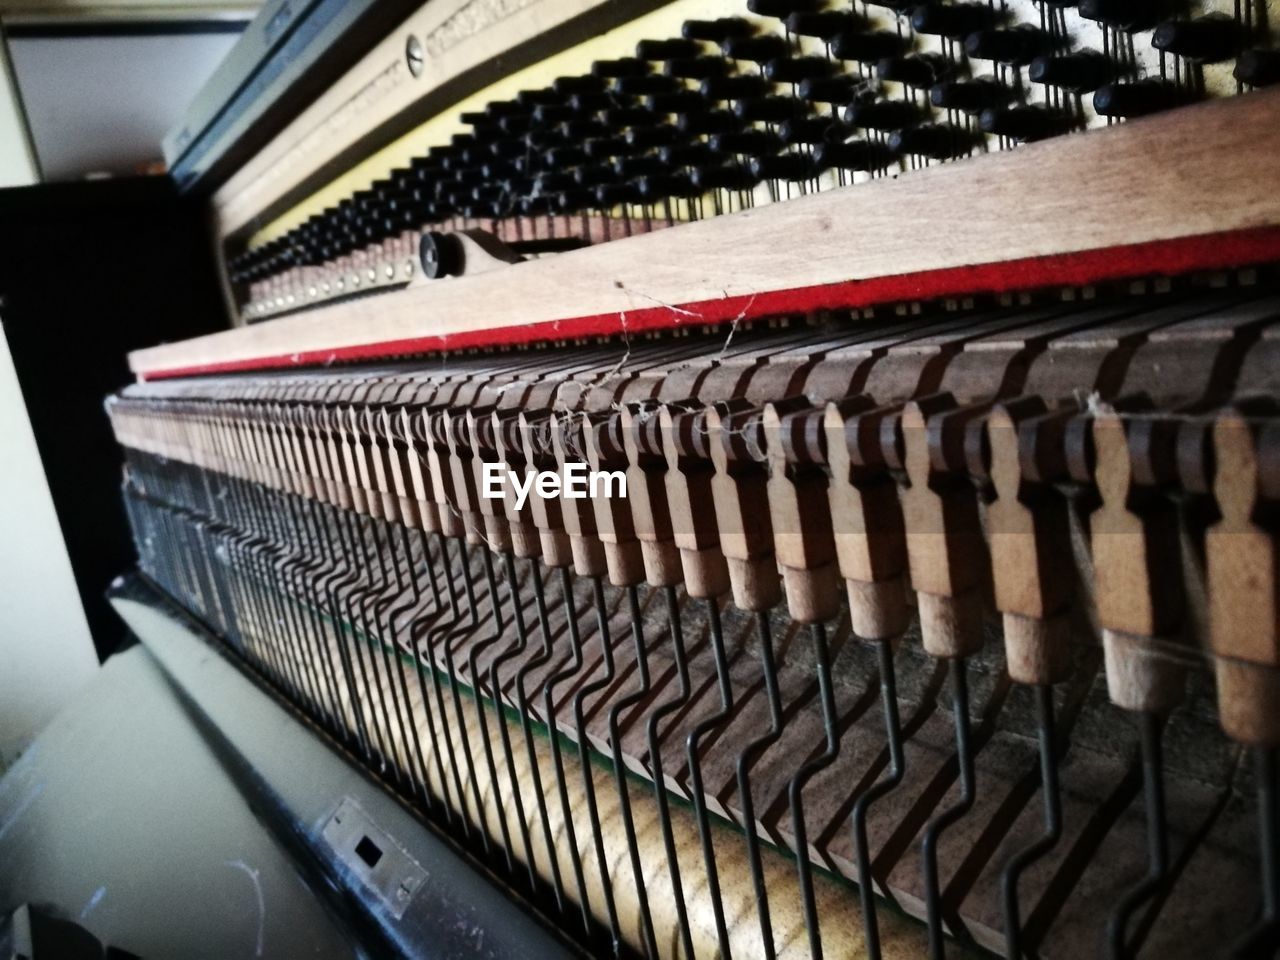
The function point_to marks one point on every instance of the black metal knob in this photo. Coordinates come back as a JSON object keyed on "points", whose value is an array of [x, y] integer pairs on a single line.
{"points": [[1258, 68], [840, 90], [970, 96], [781, 8], [937, 141], [1128, 15], [1137, 99], [886, 115], [440, 254], [717, 31], [1079, 71], [853, 155], [867, 47], [919, 70], [954, 20], [823, 24], [1208, 39], [755, 49], [1016, 47], [796, 69], [667, 49]]}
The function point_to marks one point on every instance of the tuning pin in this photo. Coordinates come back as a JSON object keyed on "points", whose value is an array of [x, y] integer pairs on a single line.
{"points": [[867, 47], [861, 155], [1258, 68], [1079, 71], [1016, 46], [796, 69], [970, 96], [1026, 124], [696, 68], [610, 195], [537, 98], [1138, 98], [626, 67], [1207, 39], [707, 121], [813, 130], [631, 117], [755, 49], [689, 155], [681, 101], [716, 31], [730, 176], [548, 115], [605, 148], [785, 166], [824, 24], [768, 109], [657, 50], [1127, 15], [733, 88], [661, 185], [954, 20], [646, 86], [937, 141], [886, 115], [593, 176], [746, 142], [840, 90], [631, 168], [917, 70], [568, 86], [782, 8]]}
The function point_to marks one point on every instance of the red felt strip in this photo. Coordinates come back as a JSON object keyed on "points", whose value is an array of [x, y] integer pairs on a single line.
{"points": [[1182, 255]]}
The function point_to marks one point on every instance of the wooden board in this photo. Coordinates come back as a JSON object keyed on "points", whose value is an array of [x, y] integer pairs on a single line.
{"points": [[1192, 189]]}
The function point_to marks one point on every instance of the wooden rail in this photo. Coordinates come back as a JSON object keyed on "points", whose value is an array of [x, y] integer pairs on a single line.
{"points": [[1192, 189]]}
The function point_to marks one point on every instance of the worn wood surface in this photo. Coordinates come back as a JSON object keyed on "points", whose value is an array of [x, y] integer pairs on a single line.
{"points": [[1142, 193]]}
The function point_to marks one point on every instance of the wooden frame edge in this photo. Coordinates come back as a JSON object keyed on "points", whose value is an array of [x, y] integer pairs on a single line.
{"points": [[1193, 189]]}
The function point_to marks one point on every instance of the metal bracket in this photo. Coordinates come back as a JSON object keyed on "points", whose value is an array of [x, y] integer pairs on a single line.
{"points": [[374, 856]]}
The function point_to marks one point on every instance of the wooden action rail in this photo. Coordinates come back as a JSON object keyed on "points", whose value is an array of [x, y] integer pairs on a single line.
{"points": [[1049, 468], [1194, 186]]}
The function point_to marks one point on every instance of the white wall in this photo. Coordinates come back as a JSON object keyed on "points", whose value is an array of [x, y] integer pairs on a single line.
{"points": [[46, 652], [17, 167]]}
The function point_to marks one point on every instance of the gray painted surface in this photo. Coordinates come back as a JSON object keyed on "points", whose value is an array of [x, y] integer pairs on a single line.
{"points": [[103, 104], [121, 816], [453, 911]]}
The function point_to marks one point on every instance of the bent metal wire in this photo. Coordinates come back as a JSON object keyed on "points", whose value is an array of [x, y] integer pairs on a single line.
{"points": [[674, 766]]}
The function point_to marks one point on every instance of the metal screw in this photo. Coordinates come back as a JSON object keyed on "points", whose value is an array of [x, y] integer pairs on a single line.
{"points": [[414, 55]]}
